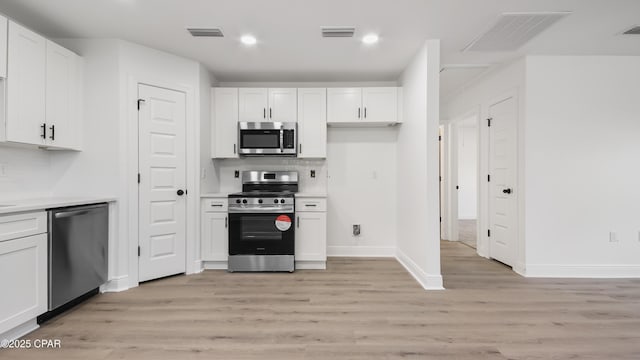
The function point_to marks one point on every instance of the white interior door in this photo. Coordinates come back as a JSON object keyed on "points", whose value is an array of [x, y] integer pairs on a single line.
{"points": [[162, 158], [502, 191]]}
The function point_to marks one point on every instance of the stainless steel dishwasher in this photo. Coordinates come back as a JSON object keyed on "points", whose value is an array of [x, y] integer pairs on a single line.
{"points": [[78, 244]]}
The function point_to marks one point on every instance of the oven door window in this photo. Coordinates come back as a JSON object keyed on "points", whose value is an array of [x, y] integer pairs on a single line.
{"points": [[260, 139], [257, 234]]}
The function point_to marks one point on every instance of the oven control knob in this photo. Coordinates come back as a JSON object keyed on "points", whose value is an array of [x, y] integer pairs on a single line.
{"points": [[260, 201], [238, 201], [244, 201], [275, 201], [281, 201]]}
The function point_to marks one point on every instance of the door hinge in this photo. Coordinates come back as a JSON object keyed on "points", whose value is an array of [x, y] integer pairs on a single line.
{"points": [[138, 178], [440, 218], [457, 187], [488, 177], [440, 178], [439, 137], [489, 122], [489, 232], [138, 251], [139, 102]]}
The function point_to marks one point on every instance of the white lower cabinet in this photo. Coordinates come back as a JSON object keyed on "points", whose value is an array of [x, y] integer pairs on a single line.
{"points": [[214, 234], [23, 275], [311, 233]]}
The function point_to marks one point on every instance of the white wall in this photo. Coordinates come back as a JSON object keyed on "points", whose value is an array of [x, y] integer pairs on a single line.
{"points": [[26, 173], [208, 180], [467, 170], [418, 225], [362, 190], [582, 167]]}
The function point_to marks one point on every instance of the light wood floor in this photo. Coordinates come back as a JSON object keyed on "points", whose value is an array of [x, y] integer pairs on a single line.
{"points": [[357, 309], [467, 232]]}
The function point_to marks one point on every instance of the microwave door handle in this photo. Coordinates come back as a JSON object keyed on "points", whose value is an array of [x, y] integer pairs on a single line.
{"points": [[281, 139]]}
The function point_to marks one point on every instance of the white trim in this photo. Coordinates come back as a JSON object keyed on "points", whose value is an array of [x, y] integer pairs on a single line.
{"points": [[20, 330], [311, 265], [116, 284], [197, 266], [214, 265], [428, 282], [361, 251], [582, 271]]}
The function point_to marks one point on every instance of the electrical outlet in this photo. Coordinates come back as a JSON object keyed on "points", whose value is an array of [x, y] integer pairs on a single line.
{"points": [[356, 230], [313, 173], [613, 237], [236, 174]]}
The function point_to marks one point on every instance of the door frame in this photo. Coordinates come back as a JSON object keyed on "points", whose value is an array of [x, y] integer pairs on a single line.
{"points": [[130, 217], [450, 177]]}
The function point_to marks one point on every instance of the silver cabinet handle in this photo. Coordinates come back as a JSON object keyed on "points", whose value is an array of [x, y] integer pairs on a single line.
{"points": [[365, 112], [225, 222], [234, 148], [216, 205], [310, 205], [300, 145], [298, 222], [358, 113]]}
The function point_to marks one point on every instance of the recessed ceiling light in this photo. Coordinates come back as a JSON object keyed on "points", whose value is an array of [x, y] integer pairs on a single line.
{"points": [[370, 39], [248, 40]]}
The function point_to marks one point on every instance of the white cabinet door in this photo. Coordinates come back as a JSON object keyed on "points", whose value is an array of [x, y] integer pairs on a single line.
{"points": [[344, 105], [224, 123], [380, 104], [23, 275], [215, 243], [311, 236], [312, 123], [3, 46], [26, 82], [253, 104], [61, 96], [283, 105]]}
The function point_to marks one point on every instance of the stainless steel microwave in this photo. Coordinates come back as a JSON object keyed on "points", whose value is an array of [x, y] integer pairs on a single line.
{"points": [[267, 138]]}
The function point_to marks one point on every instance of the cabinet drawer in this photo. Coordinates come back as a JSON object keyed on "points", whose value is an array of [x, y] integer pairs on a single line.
{"points": [[311, 204], [21, 225], [216, 205]]}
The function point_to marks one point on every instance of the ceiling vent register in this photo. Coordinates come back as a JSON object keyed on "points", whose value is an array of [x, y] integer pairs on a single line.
{"points": [[206, 32], [338, 31], [512, 30]]}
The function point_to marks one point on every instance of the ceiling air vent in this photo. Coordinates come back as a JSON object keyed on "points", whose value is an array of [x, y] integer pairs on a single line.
{"points": [[633, 31], [206, 32], [338, 31], [512, 30]]}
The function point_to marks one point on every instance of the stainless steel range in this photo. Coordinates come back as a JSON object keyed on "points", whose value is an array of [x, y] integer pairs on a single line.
{"points": [[262, 222]]}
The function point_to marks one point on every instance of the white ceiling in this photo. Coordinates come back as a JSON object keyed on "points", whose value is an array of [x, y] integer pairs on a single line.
{"points": [[289, 44]]}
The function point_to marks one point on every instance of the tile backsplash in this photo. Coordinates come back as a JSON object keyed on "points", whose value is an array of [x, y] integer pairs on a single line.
{"points": [[225, 171]]}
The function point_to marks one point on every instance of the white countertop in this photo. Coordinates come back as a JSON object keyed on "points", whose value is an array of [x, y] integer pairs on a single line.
{"points": [[214, 195], [20, 205], [310, 195]]}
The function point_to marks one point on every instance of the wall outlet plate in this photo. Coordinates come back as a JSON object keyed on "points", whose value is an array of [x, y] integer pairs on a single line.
{"points": [[312, 173], [236, 174], [356, 230]]}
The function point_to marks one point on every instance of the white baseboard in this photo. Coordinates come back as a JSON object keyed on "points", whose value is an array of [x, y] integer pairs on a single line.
{"points": [[196, 268], [428, 282], [311, 265], [214, 265], [361, 251], [20, 330], [117, 284], [582, 271]]}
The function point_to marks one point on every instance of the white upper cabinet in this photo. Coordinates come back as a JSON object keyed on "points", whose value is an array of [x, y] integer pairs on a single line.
{"points": [[344, 105], [43, 92], [261, 104], [312, 123], [224, 123], [26, 86], [282, 105], [380, 104], [61, 115], [4, 27], [254, 104], [373, 106]]}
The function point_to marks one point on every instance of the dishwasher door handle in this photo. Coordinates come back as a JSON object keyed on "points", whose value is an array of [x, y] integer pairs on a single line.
{"points": [[84, 211]]}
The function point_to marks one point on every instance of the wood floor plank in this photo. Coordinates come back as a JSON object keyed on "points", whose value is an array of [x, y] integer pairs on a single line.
{"points": [[359, 308]]}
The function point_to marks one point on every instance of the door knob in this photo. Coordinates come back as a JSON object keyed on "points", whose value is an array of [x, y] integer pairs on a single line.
{"points": [[506, 191], [180, 192]]}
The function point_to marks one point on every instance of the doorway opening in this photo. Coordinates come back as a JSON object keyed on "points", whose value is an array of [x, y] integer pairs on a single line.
{"points": [[467, 180]]}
